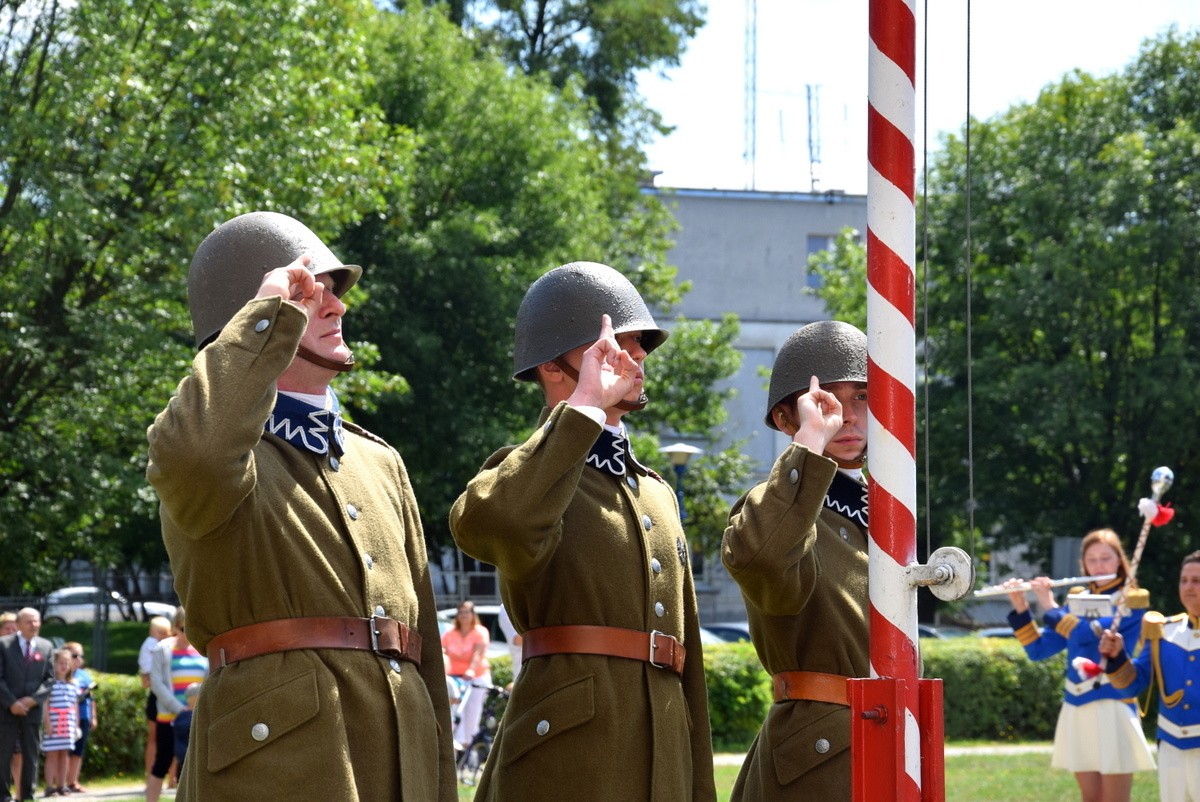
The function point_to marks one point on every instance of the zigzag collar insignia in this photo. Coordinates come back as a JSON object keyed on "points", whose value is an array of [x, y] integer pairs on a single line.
{"points": [[609, 452], [847, 498], [307, 427]]}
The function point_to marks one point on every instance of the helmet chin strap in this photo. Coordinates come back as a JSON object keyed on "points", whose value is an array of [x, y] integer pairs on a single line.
{"points": [[854, 463], [629, 406], [322, 362]]}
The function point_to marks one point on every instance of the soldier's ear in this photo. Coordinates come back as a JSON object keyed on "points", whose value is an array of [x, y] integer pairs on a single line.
{"points": [[783, 420]]}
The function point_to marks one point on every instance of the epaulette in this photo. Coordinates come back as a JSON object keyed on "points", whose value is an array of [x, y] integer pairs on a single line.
{"points": [[1076, 590], [354, 427], [1137, 599], [1152, 625]]}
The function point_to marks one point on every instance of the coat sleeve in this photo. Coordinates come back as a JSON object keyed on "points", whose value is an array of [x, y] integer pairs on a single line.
{"points": [[201, 462], [511, 514], [769, 545], [1039, 643]]}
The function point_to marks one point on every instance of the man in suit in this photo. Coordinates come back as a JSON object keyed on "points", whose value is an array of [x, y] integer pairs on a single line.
{"points": [[26, 674]]}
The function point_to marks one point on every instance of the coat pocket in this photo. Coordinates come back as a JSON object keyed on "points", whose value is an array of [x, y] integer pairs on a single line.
{"points": [[552, 715], [825, 733], [262, 720]]}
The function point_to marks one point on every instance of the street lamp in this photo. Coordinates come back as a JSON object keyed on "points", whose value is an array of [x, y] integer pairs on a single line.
{"points": [[679, 454]]}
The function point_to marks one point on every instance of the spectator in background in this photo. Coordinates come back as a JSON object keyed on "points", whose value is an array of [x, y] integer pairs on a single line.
{"points": [[159, 629], [175, 665], [465, 645], [26, 674], [87, 716], [60, 723], [8, 625], [182, 725]]}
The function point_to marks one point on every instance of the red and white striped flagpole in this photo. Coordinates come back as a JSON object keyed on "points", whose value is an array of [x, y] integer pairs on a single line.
{"points": [[891, 427]]}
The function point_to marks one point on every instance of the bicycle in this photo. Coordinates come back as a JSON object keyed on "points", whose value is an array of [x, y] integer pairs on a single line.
{"points": [[474, 755]]}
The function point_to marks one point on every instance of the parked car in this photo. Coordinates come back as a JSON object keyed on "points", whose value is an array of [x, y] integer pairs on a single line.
{"points": [[489, 616], [79, 604], [730, 631], [927, 631], [995, 632]]}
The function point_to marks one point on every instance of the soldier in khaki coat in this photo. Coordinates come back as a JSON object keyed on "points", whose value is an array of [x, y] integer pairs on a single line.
{"points": [[594, 571], [295, 543], [797, 546]]}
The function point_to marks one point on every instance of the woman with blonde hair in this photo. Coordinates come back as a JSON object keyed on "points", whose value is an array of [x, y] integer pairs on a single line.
{"points": [[1099, 734]]}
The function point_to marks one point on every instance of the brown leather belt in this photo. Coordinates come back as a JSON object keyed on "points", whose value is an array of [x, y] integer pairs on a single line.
{"points": [[811, 686], [382, 635], [656, 648]]}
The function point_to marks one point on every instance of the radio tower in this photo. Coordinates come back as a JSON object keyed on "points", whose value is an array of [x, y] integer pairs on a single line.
{"points": [[751, 90], [813, 91]]}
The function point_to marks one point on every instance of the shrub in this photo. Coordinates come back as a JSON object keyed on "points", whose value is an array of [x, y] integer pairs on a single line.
{"points": [[739, 693], [116, 747]]}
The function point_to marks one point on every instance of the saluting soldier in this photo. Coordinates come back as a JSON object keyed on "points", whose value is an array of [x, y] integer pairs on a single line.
{"points": [[797, 547], [295, 543], [593, 567]]}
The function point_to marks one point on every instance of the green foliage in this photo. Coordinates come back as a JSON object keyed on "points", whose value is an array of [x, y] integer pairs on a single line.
{"points": [[116, 747], [843, 278], [992, 690], [128, 133], [739, 694]]}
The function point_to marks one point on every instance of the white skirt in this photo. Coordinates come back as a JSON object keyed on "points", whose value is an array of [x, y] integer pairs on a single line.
{"points": [[1104, 736]]}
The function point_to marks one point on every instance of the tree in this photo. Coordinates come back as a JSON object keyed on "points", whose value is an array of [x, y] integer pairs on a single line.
{"points": [[507, 183], [127, 131], [1084, 317]]}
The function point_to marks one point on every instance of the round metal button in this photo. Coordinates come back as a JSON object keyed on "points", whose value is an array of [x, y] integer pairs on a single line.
{"points": [[647, 522], [395, 664], [659, 609], [379, 611], [260, 731], [655, 565], [261, 326], [822, 746], [369, 560], [631, 481], [352, 511], [543, 727], [549, 425], [794, 476], [333, 463], [845, 534]]}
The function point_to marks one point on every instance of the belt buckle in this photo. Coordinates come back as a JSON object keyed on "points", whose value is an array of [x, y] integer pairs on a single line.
{"points": [[374, 630], [654, 633]]}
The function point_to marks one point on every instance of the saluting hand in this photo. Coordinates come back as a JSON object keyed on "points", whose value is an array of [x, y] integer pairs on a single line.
{"points": [[295, 283], [607, 373], [819, 414]]}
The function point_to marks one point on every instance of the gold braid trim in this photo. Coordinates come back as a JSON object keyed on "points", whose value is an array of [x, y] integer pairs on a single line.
{"points": [[1068, 623], [1152, 631], [1026, 634]]}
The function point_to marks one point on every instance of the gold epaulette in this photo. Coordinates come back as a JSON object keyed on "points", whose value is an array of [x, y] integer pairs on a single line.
{"points": [[1076, 590], [1137, 598], [1152, 625]]}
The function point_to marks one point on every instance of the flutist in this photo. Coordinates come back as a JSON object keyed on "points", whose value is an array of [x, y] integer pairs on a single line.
{"points": [[1099, 735]]}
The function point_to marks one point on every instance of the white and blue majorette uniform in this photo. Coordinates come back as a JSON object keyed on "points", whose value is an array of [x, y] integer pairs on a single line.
{"points": [[1169, 659], [1098, 725]]}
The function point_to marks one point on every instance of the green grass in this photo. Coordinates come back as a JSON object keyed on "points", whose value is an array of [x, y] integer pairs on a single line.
{"points": [[979, 778]]}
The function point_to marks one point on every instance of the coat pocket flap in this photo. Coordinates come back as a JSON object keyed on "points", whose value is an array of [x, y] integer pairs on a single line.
{"points": [[825, 733], [557, 712], [262, 720]]}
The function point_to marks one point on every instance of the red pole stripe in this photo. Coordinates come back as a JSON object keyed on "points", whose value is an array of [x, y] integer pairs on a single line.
{"points": [[890, 140], [893, 280], [892, 31]]}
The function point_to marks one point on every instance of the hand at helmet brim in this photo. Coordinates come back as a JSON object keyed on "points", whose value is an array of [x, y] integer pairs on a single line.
{"points": [[608, 374]]}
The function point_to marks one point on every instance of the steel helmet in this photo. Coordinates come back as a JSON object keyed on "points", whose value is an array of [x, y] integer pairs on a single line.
{"points": [[231, 261], [562, 309], [831, 350]]}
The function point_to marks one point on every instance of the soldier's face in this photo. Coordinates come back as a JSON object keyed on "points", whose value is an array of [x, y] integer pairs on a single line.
{"points": [[850, 441], [1189, 588], [324, 333], [631, 343]]}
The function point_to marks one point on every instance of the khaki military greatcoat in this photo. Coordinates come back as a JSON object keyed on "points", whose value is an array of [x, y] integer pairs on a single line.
{"points": [[259, 530], [802, 569], [576, 545]]}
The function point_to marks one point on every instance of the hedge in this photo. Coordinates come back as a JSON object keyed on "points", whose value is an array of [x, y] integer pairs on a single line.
{"points": [[992, 692]]}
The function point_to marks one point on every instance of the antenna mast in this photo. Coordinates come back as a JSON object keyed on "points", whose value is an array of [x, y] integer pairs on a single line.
{"points": [[813, 93], [751, 89]]}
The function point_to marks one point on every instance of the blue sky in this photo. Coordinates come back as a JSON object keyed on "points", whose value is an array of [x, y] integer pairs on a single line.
{"points": [[1017, 48]]}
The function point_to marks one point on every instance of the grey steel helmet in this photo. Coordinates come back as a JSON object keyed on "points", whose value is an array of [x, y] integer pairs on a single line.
{"points": [[831, 350], [562, 309], [231, 261]]}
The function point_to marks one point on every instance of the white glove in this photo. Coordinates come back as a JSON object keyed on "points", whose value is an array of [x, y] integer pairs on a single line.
{"points": [[1148, 508]]}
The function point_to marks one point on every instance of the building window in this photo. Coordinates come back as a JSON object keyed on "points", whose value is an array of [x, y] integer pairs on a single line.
{"points": [[816, 244]]}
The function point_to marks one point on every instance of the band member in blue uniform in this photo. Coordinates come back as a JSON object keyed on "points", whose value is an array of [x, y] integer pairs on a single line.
{"points": [[1168, 660], [1099, 735]]}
